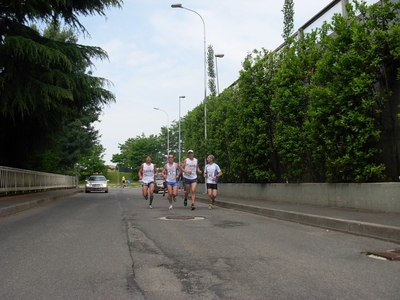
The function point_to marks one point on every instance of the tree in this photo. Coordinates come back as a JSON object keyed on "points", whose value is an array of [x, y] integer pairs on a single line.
{"points": [[288, 20], [257, 160], [93, 162], [211, 71], [291, 104], [76, 136], [134, 151], [43, 81], [346, 103]]}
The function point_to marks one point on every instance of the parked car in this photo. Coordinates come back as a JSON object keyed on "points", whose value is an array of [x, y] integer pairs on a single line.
{"points": [[159, 183], [96, 183]]}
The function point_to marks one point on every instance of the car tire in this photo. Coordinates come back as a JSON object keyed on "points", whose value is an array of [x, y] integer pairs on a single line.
{"points": [[86, 191], [106, 191]]}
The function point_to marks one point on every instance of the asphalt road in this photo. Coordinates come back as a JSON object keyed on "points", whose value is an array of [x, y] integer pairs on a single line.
{"points": [[112, 246]]}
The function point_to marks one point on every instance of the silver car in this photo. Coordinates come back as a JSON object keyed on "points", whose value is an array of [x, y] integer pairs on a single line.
{"points": [[96, 183], [159, 184]]}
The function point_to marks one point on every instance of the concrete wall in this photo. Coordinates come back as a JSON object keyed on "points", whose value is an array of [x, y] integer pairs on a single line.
{"points": [[383, 197]]}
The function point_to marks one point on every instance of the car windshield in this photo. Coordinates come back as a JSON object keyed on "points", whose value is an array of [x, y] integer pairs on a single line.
{"points": [[97, 178]]}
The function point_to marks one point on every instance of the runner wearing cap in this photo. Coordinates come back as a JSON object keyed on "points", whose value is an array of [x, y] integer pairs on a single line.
{"points": [[189, 169]]}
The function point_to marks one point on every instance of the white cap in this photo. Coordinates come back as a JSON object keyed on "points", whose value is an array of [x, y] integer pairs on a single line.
{"points": [[190, 151]]}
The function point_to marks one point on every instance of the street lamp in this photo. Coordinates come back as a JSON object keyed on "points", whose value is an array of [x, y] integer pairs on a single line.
{"points": [[157, 108], [179, 142], [216, 68], [178, 5]]}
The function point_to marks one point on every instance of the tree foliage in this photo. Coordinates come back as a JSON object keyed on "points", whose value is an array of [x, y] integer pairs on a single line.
{"points": [[92, 162], [322, 109], [134, 151], [291, 105], [44, 78], [211, 71], [288, 20]]}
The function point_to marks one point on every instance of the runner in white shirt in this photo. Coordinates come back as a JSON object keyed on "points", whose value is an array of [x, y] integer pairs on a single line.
{"points": [[189, 168], [171, 174], [212, 172], [146, 175]]}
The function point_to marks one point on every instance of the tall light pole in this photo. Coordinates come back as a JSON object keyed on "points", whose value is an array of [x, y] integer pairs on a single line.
{"points": [[178, 5], [179, 142], [157, 108], [216, 68]]}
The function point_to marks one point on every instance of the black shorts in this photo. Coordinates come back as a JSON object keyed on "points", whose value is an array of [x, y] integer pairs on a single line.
{"points": [[212, 186]]}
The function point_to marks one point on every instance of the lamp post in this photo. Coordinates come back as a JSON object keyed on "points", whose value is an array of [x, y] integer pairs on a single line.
{"points": [[216, 68], [178, 5], [157, 108], [179, 142]]}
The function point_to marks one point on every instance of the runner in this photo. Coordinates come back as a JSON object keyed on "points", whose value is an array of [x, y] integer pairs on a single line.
{"points": [[212, 172], [171, 174], [189, 168], [146, 175]]}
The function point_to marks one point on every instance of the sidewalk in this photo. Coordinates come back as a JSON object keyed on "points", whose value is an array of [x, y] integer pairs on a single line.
{"points": [[384, 226], [12, 204]]}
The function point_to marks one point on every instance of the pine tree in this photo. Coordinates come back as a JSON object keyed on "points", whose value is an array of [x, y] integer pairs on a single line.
{"points": [[44, 81]]}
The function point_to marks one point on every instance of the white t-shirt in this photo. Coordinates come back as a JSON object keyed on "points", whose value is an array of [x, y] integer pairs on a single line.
{"points": [[212, 170], [148, 173], [190, 165], [172, 172]]}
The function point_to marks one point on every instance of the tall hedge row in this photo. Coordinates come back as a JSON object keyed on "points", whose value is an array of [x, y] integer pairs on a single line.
{"points": [[317, 111]]}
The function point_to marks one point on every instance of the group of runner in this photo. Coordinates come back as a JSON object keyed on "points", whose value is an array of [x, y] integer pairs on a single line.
{"points": [[171, 173]]}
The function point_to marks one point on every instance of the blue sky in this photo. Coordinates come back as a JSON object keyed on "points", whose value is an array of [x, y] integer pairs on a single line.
{"points": [[156, 55]]}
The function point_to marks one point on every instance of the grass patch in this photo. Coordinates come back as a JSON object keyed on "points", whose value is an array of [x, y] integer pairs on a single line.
{"points": [[116, 178]]}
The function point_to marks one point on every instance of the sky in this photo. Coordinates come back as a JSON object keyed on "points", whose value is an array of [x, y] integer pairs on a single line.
{"points": [[156, 54]]}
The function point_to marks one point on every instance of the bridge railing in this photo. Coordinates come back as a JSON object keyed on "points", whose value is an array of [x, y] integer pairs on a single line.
{"points": [[14, 180]]}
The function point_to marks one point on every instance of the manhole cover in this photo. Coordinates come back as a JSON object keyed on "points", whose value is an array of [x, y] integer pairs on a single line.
{"points": [[181, 218], [389, 255]]}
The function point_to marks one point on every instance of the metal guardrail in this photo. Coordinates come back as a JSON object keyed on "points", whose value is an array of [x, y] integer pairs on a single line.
{"points": [[19, 180]]}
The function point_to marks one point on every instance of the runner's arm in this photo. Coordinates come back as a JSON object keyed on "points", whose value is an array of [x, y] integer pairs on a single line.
{"points": [[164, 172], [140, 173], [182, 167], [155, 170]]}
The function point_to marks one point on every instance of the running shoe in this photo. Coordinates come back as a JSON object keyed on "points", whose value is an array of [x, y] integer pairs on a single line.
{"points": [[146, 197], [170, 207], [174, 198], [150, 206], [163, 194], [185, 202], [193, 208]]}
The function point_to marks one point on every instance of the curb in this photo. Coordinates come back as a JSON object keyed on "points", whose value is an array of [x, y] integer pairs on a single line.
{"points": [[372, 230], [13, 209]]}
